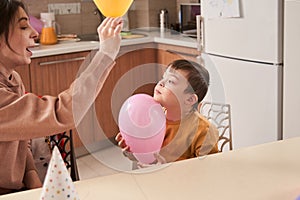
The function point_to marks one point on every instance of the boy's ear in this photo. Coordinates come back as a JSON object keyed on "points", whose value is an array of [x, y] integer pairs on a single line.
{"points": [[192, 99]]}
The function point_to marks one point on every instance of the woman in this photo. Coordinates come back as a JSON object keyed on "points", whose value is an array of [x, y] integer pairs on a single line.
{"points": [[25, 116]]}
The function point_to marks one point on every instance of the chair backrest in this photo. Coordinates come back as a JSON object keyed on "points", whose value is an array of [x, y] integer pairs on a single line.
{"points": [[219, 115], [64, 142]]}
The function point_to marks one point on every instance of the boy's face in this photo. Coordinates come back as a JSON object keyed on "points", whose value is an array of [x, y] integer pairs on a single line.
{"points": [[170, 90]]}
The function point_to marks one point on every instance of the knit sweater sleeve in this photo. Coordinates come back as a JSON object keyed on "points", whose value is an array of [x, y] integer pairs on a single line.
{"points": [[29, 116], [31, 179]]}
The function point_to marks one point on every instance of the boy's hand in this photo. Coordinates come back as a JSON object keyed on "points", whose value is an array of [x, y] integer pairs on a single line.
{"points": [[125, 149], [159, 161]]}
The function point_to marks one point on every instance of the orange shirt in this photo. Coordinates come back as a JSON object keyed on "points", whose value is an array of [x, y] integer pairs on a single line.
{"points": [[191, 137]]}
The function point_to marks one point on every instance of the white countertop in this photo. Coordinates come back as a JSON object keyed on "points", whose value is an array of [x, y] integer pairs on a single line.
{"points": [[152, 37], [263, 172]]}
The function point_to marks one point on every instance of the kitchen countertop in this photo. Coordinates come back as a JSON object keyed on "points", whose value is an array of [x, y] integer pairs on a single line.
{"points": [[151, 37]]}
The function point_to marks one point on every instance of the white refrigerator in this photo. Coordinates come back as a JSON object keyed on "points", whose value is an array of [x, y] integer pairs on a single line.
{"points": [[291, 81], [244, 57]]}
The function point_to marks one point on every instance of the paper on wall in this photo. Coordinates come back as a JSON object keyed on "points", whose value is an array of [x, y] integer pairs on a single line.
{"points": [[221, 9]]}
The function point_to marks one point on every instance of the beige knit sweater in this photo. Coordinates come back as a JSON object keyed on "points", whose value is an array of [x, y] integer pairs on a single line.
{"points": [[26, 116]]}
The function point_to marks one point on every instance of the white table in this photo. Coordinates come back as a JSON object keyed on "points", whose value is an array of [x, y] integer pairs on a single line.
{"points": [[268, 171]]}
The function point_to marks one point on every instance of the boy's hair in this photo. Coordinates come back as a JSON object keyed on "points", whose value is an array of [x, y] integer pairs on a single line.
{"points": [[8, 11], [198, 77]]}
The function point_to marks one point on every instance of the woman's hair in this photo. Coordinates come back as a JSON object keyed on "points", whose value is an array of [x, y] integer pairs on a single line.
{"points": [[198, 77], [8, 12]]}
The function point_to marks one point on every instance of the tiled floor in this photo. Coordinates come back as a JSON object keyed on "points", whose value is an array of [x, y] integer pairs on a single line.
{"points": [[105, 162]]}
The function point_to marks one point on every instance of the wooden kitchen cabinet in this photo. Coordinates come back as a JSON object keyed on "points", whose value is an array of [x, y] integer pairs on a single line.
{"points": [[135, 67], [25, 75], [167, 53], [138, 67], [53, 74]]}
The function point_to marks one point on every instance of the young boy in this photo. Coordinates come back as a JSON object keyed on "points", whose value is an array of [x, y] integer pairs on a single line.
{"points": [[188, 134]]}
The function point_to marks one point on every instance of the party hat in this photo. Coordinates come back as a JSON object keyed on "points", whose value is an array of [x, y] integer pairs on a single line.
{"points": [[58, 184]]}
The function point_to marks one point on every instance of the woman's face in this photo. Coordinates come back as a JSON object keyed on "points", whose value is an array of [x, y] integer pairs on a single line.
{"points": [[170, 90], [21, 38]]}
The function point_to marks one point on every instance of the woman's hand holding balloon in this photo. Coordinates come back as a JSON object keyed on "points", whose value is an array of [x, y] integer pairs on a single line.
{"points": [[109, 35]]}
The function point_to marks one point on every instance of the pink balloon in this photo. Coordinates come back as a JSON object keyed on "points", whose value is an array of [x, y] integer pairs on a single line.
{"points": [[142, 124]]}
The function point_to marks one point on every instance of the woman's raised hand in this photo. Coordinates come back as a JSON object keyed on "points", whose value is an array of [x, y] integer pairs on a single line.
{"points": [[110, 27], [109, 35]]}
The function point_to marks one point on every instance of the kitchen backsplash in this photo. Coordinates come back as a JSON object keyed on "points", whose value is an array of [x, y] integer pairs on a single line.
{"points": [[143, 13]]}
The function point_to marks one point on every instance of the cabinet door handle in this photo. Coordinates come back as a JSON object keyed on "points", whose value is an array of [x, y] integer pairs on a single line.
{"points": [[181, 53], [61, 61]]}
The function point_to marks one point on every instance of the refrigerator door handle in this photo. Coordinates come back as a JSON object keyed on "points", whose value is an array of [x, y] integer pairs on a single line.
{"points": [[200, 33]]}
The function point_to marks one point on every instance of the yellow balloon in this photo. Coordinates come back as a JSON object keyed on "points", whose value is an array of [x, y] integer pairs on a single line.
{"points": [[113, 8]]}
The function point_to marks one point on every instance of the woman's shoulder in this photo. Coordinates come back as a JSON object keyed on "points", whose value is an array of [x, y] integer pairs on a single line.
{"points": [[17, 76]]}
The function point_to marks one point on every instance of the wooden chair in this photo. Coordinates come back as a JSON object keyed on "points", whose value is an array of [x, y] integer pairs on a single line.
{"points": [[64, 142], [219, 115]]}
